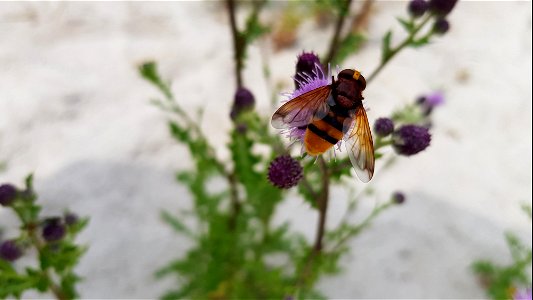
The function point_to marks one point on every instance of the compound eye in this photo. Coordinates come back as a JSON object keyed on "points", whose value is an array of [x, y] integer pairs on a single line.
{"points": [[362, 82]]}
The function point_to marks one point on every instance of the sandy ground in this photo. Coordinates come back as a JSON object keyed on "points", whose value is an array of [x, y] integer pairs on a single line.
{"points": [[75, 112]]}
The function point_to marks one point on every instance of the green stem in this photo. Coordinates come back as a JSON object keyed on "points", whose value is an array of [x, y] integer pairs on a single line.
{"points": [[322, 205], [54, 288], [238, 42], [307, 272], [334, 44], [31, 228], [305, 183], [380, 143], [355, 230], [398, 48]]}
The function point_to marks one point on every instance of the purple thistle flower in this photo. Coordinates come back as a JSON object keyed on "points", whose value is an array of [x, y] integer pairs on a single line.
{"points": [[383, 126], [441, 26], [410, 139], [70, 219], [435, 99], [522, 294], [285, 172], [441, 7], [295, 133], [430, 101], [417, 8], [306, 82], [10, 251], [244, 100], [398, 197], [8, 193], [53, 230], [307, 61], [309, 82]]}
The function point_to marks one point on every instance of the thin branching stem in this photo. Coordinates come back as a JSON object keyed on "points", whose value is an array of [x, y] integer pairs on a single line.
{"points": [[323, 200], [53, 287], [408, 40], [306, 185], [334, 44], [238, 42], [366, 222], [307, 272], [31, 229]]}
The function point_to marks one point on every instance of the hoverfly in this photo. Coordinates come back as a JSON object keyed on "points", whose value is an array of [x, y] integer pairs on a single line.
{"points": [[329, 114]]}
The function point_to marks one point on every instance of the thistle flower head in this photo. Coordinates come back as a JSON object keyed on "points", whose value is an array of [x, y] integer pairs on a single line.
{"points": [[285, 172], [398, 197], [441, 26], [430, 101], [435, 99], [244, 100], [383, 126], [70, 219], [417, 8], [53, 230], [10, 250], [441, 7], [307, 61], [8, 193], [410, 139], [308, 81], [309, 76]]}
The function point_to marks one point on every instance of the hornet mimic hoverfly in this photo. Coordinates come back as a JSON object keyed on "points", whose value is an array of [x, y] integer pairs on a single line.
{"points": [[331, 113]]}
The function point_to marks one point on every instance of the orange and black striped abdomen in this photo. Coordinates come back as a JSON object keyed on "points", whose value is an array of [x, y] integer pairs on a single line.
{"points": [[323, 134]]}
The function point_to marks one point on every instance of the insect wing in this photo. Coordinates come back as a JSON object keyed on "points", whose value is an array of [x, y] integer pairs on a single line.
{"points": [[303, 109], [359, 145]]}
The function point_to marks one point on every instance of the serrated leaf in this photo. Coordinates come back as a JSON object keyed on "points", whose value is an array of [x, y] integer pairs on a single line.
{"points": [[29, 182], [176, 224], [148, 71], [386, 46], [68, 285], [409, 26], [420, 42]]}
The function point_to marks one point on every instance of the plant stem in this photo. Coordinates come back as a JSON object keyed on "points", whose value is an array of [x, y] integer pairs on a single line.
{"points": [[323, 200], [355, 230], [334, 44], [398, 48], [316, 251], [234, 197], [238, 42], [37, 243], [31, 226], [305, 183]]}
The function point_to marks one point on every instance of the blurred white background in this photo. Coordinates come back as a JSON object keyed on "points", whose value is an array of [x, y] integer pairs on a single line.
{"points": [[74, 111]]}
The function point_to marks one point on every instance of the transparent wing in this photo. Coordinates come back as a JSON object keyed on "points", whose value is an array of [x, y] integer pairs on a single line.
{"points": [[359, 144], [303, 109]]}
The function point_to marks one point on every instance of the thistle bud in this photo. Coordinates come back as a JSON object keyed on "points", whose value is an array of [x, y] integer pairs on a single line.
{"points": [[441, 26], [10, 250], [417, 8], [244, 100], [411, 139], [442, 7], [8, 193], [53, 230], [285, 172], [383, 126], [306, 64]]}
